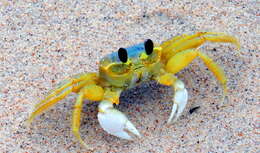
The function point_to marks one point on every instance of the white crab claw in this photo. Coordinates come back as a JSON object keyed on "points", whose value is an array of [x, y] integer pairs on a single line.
{"points": [[115, 122], [179, 101], [174, 109]]}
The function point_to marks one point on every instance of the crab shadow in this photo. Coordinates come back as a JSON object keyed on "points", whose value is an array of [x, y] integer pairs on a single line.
{"points": [[145, 94]]}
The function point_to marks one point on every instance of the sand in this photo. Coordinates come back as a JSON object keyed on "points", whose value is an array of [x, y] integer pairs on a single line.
{"points": [[41, 43]]}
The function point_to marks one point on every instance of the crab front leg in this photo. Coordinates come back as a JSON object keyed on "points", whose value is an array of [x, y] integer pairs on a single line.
{"points": [[91, 92], [112, 120], [180, 97]]}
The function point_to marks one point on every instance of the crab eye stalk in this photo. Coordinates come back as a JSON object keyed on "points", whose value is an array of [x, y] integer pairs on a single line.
{"points": [[148, 45], [122, 54]]}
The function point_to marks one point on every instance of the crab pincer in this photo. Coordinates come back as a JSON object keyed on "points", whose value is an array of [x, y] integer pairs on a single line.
{"points": [[115, 122]]}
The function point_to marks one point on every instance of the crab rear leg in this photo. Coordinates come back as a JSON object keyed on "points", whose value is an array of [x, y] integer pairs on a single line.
{"points": [[184, 42], [45, 105], [65, 88], [77, 81], [182, 59]]}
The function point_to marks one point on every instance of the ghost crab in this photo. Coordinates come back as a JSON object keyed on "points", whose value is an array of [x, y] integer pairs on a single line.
{"points": [[129, 67]]}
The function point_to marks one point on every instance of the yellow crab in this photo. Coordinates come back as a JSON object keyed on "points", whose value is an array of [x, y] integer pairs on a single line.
{"points": [[129, 67]]}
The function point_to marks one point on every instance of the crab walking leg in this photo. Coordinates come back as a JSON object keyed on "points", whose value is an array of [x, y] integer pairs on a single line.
{"points": [[180, 97], [182, 59], [172, 40], [193, 41], [81, 79], [91, 92], [178, 41], [39, 110], [54, 93], [115, 122], [76, 118], [62, 91]]}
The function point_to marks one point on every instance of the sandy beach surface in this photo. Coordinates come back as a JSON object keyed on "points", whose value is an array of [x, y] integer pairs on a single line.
{"points": [[43, 42]]}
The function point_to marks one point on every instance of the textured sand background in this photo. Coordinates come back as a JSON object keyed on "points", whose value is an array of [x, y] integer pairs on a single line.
{"points": [[42, 42]]}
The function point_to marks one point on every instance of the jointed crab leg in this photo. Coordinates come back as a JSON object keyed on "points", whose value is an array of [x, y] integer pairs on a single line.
{"points": [[184, 42], [91, 92], [167, 43], [54, 93], [76, 118], [72, 85], [79, 79], [41, 108], [182, 59]]}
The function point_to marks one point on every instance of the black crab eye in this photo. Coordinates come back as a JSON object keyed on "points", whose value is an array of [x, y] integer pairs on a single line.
{"points": [[148, 45], [122, 54]]}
